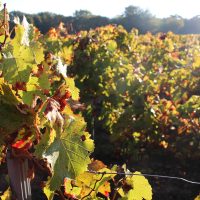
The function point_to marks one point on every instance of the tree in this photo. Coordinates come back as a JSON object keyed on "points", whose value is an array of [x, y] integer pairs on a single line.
{"points": [[173, 23], [132, 10], [82, 13], [192, 25]]}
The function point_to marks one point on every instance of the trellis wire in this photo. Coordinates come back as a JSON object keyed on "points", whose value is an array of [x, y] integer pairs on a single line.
{"points": [[144, 174], [147, 175]]}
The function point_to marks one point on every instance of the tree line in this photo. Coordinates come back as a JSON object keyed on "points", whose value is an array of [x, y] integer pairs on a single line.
{"points": [[133, 17]]}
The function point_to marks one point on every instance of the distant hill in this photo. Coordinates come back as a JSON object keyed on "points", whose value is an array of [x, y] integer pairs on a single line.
{"points": [[133, 17]]}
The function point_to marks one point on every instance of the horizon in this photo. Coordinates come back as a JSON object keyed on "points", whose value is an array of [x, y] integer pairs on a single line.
{"points": [[184, 9]]}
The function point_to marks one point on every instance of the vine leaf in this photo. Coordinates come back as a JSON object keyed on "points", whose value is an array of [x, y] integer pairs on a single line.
{"points": [[6, 195], [111, 46], [21, 54], [52, 113], [87, 184], [69, 190], [9, 106], [46, 140], [141, 188], [69, 152], [48, 193], [72, 88], [96, 165], [32, 90], [44, 81], [70, 155], [16, 69]]}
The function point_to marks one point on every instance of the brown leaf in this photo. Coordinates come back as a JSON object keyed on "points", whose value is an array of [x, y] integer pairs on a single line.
{"points": [[96, 165], [52, 113]]}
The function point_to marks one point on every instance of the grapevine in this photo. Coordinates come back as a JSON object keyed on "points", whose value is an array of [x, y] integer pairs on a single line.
{"points": [[44, 139]]}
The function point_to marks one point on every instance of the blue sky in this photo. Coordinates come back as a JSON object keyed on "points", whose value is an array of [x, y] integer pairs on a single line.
{"points": [[109, 8]]}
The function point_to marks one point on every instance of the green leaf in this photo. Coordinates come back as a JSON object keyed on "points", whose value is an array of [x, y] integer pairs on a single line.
{"points": [[47, 139], [19, 33], [32, 90], [7, 94], [15, 70], [48, 192], [32, 84], [21, 55], [44, 81], [38, 52], [28, 96], [112, 45], [69, 152], [72, 88], [12, 118], [141, 188]]}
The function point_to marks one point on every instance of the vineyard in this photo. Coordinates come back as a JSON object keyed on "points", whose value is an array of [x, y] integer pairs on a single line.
{"points": [[83, 116]]}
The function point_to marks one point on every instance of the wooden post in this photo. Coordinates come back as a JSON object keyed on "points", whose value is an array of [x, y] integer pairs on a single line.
{"points": [[18, 175]]}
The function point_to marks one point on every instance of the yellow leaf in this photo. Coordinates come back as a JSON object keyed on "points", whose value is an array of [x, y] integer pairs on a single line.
{"points": [[48, 193], [198, 197], [70, 84], [105, 189], [86, 178], [6, 195], [141, 187]]}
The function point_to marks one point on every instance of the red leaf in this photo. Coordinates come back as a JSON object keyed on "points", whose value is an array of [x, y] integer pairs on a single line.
{"points": [[22, 144]]}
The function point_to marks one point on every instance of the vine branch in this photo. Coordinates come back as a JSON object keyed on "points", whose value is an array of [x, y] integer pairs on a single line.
{"points": [[102, 175]]}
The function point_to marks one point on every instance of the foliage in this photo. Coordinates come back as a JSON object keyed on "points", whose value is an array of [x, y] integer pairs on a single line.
{"points": [[40, 120], [88, 185], [140, 90], [82, 13], [127, 80], [34, 107]]}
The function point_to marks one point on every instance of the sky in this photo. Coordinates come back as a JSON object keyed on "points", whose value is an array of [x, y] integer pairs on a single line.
{"points": [[108, 8]]}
